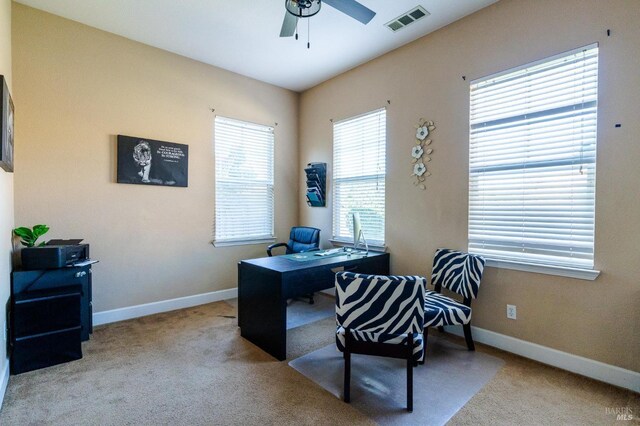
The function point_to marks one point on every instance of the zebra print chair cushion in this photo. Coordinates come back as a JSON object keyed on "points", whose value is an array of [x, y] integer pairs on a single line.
{"points": [[380, 309], [457, 271], [442, 310]]}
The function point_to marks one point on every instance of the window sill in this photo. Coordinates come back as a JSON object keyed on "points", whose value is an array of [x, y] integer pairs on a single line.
{"points": [[562, 271], [373, 247], [243, 242]]}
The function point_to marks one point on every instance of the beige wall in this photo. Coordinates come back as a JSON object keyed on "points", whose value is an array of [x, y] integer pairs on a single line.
{"points": [[6, 187], [76, 88], [595, 319]]}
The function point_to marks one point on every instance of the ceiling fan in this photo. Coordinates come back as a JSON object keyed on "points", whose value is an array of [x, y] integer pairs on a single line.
{"points": [[296, 9]]}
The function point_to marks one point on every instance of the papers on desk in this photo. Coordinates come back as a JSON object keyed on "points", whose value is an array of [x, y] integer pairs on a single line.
{"points": [[329, 252], [84, 263]]}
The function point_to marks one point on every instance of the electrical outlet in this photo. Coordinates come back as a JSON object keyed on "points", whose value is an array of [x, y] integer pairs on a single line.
{"points": [[511, 311]]}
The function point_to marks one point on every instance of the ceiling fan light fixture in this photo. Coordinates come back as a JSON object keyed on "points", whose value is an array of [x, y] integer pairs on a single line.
{"points": [[302, 8]]}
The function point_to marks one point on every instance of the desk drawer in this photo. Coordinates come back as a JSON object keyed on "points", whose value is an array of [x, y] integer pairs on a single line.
{"points": [[44, 350], [303, 282], [46, 313]]}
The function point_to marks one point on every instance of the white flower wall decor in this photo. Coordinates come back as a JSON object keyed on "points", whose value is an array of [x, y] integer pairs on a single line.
{"points": [[421, 152]]}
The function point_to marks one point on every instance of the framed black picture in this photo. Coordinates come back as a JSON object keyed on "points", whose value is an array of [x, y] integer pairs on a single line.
{"points": [[6, 127], [150, 162]]}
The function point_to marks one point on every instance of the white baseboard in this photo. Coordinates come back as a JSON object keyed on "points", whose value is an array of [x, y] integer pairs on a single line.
{"points": [[121, 314], [4, 381], [576, 364]]}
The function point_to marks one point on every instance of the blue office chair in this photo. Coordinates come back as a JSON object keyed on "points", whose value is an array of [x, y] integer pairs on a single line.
{"points": [[301, 239]]}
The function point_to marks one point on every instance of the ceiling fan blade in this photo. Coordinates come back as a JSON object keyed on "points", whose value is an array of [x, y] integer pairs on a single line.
{"points": [[288, 25], [353, 9]]}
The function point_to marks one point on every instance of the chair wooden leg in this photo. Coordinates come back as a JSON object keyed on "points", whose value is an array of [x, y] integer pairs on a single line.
{"points": [[468, 337], [409, 385], [410, 374], [425, 334], [347, 376]]}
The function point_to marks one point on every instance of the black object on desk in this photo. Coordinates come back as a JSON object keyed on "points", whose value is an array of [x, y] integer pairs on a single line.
{"points": [[265, 284], [50, 314]]}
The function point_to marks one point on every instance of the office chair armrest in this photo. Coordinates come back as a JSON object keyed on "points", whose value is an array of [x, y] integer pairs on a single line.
{"points": [[272, 246]]}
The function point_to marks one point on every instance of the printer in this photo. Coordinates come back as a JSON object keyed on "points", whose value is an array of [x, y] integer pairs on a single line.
{"points": [[55, 254]]}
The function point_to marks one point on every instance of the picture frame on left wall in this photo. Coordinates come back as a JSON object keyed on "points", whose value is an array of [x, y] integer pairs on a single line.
{"points": [[6, 127]]}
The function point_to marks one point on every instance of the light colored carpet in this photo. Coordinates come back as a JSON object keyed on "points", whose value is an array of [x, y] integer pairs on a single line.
{"points": [[448, 379], [190, 367]]}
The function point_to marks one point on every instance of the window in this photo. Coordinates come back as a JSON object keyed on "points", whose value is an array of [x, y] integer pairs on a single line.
{"points": [[244, 182], [359, 146], [532, 162]]}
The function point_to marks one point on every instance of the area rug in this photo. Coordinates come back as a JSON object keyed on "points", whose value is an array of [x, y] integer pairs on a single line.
{"points": [[300, 312], [442, 386]]}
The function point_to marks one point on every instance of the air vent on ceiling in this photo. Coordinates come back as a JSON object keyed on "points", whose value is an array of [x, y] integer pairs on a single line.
{"points": [[407, 18]]}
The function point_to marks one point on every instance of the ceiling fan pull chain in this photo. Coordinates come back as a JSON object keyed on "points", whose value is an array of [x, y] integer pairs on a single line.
{"points": [[308, 34]]}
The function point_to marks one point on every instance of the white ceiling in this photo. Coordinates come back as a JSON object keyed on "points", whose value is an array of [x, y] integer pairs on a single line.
{"points": [[243, 35]]}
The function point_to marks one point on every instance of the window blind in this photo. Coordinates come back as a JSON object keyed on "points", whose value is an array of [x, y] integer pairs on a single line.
{"points": [[532, 162], [244, 181], [359, 155]]}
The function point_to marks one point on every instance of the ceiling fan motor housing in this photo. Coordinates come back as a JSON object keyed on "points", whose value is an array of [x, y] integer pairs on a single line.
{"points": [[302, 8]]}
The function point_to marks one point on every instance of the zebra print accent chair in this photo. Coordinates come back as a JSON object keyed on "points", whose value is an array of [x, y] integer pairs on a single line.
{"points": [[380, 315], [458, 272]]}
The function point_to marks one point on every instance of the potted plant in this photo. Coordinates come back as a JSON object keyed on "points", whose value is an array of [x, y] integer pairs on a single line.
{"points": [[30, 236]]}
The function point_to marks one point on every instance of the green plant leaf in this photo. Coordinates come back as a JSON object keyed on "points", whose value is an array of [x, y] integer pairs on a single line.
{"points": [[23, 232], [42, 244], [40, 230], [30, 236]]}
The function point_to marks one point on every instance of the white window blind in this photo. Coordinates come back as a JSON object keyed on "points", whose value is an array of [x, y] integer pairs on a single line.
{"points": [[533, 162], [244, 182], [359, 154]]}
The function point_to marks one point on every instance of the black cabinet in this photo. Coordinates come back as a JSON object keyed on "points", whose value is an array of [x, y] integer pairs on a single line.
{"points": [[50, 315]]}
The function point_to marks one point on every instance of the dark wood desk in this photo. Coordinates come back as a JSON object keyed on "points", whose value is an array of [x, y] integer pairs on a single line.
{"points": [[265, 284]]}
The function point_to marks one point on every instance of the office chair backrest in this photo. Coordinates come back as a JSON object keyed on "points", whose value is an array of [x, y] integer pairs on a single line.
{"points": [[390, 305], [303, 238], [457, 271]]}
